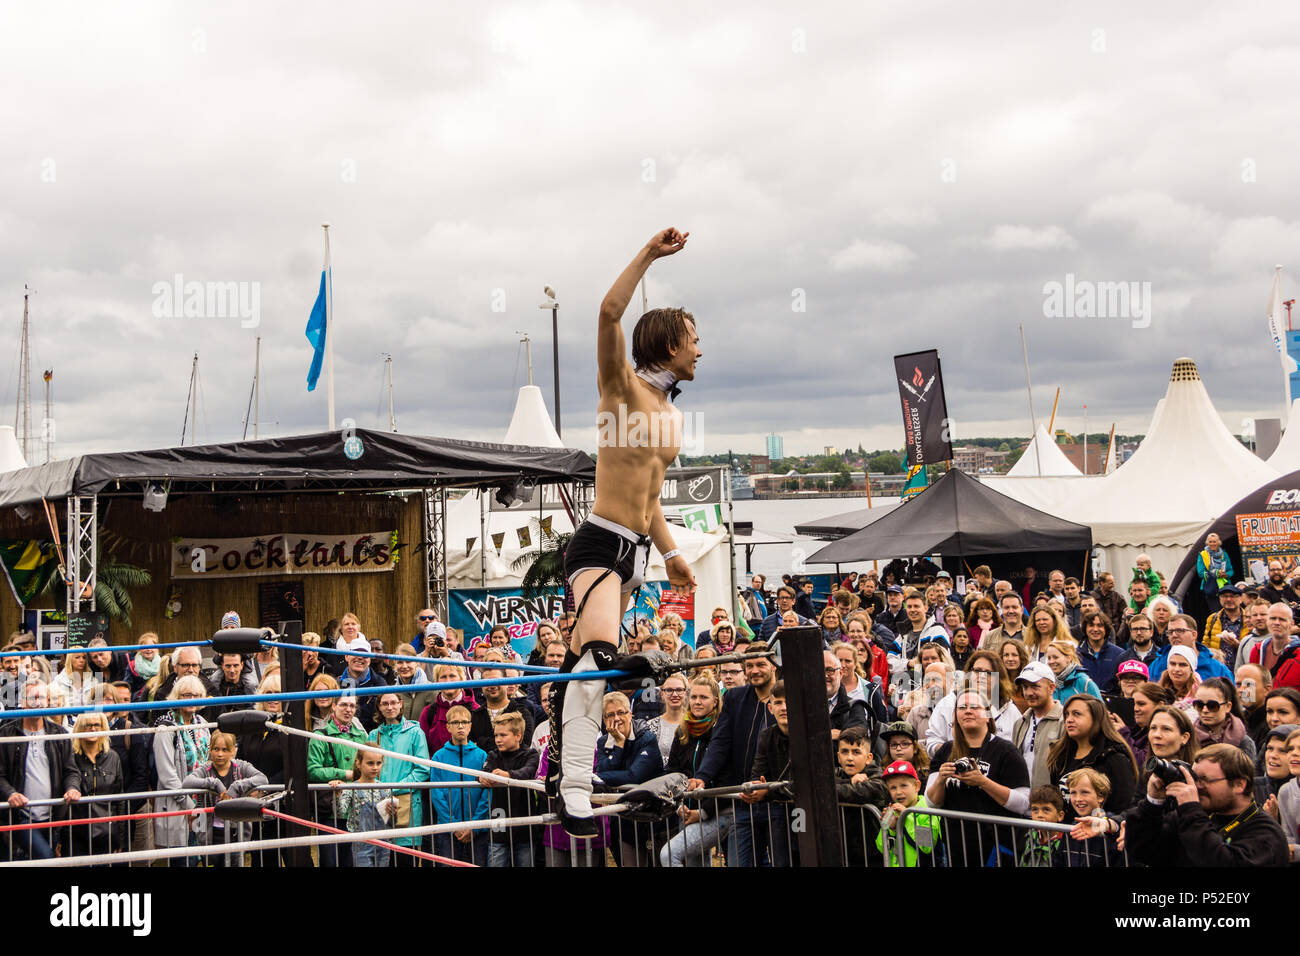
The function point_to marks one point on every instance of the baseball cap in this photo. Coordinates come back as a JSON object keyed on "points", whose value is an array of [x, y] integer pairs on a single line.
{"points": [[896, 728], [229, 619], [943, 574], [1034, 672], [893, 589], [358, 643], [1230, 589], [1134, 668], [934, 634], [435, 629], [900, 768]]}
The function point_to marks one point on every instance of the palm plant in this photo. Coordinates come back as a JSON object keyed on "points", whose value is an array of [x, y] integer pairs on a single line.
{"points": [[545, 566], [113, 582]]}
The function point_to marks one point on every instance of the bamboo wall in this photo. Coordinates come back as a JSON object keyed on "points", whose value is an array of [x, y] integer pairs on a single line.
{"points": [[385, 601]]}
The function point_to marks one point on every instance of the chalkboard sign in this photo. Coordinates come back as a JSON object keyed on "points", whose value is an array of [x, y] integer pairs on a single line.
{"points": [[279, 601], [84, 626]]}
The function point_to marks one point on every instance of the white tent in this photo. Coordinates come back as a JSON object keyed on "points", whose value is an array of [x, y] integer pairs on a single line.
{"points": [[11, 456], [1286, 456], [1187, 470], [1043, 457]]}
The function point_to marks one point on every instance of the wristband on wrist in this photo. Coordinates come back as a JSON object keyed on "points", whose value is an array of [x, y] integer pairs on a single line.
{"points": [[672, 554]]}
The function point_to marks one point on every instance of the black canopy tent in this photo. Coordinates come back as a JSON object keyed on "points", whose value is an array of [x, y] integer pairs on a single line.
{"points": [[958, 518], [388, 462], [298, 465], [1186, 584]]}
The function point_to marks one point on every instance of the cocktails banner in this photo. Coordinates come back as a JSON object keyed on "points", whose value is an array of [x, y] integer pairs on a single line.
{"points": [[289, 553]]}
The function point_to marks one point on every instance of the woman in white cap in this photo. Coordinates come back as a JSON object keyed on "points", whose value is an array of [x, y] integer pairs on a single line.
{"points": [[1180, 677]]}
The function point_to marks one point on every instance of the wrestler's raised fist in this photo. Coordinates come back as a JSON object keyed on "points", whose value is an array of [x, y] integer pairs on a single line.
{"points": [[667, 242]]}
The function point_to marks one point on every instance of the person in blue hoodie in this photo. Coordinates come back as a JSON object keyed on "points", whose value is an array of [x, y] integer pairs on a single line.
{"points": [[1182, 631], [459, 804], [1099, 656]]}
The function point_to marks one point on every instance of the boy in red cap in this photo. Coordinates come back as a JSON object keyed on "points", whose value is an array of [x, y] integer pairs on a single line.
{"points": [[922, 843]]}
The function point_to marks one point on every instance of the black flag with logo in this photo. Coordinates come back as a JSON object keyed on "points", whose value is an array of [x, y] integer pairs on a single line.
{"points": [[925, 412]]}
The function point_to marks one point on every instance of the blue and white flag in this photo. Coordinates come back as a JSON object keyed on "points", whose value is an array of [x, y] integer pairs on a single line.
{"points": [[316, 332]]}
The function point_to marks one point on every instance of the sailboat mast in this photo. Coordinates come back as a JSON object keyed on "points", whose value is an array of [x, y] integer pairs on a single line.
{"points": [[257, 393], [189, 398], [392, 419], [23, 407]]}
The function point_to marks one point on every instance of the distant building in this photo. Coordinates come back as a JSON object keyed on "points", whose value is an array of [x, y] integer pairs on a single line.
{"points": [[1096, 454], [830, 450], [969, 458], [775, 447], [759, 464]]}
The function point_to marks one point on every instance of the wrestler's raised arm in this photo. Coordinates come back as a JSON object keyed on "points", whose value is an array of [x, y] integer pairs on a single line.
{"points": [[611, 348]]}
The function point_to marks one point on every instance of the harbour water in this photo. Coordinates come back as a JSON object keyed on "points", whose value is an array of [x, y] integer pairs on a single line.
{"points": [[778, 517]]}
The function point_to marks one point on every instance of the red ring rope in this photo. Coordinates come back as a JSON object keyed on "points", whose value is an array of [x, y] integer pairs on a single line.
{"points": [[392, 846]]}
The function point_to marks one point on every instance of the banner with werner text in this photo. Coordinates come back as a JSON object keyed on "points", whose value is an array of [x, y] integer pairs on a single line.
{"points": [[925, 411]]}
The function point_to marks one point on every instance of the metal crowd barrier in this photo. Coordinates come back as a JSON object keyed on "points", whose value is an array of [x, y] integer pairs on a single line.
{"points": [[980, 840]]}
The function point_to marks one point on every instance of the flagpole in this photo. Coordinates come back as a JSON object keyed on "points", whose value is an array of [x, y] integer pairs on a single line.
{"points": [[329, 326]]}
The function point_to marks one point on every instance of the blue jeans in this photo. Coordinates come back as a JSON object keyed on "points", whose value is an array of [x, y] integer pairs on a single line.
{"points": [[29, 844], [510, 854], [762, 836], [691, 846], [367, 854], [475, 851]]}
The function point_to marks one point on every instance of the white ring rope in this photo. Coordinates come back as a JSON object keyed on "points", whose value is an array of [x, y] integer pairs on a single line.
{"points": [[122, 732], [410, 758]]}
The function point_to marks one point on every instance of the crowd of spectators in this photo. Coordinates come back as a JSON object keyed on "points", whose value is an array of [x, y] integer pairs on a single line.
{"points": [[1128, 731]]}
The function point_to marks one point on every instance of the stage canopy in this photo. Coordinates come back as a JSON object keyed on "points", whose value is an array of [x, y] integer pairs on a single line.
{"points": [[300, 463], [958, 517]]}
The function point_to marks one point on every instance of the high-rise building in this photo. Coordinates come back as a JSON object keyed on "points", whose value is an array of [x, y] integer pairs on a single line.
{"points": [[775, 447]]}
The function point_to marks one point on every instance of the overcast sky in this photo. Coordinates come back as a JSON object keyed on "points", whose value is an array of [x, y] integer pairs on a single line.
{"points": [[919, 171]]}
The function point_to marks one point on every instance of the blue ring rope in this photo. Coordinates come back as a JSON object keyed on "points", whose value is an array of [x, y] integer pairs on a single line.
{"points": [[202, 702]]}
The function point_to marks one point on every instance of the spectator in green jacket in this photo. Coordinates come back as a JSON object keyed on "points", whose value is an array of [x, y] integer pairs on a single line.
{"points": [[327, 761]]}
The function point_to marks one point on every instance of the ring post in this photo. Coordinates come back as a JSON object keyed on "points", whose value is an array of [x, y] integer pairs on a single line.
{"points": [[816, 815], [295, 748]]}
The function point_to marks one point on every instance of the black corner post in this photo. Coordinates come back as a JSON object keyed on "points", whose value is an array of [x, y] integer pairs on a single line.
{"points": [[816, 815], [295, 748]]}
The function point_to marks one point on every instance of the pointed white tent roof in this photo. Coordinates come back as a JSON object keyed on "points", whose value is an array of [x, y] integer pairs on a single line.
{"points": [[1186, 471], [1286, 456], [11, 456], [531, 422], [1043, 457], [1112, 456]]}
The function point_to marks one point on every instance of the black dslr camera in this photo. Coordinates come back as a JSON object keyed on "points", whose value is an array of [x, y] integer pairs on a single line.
{"points": [[1168, 771], [965, 765]]}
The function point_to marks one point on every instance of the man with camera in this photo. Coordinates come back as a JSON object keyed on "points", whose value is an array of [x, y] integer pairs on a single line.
{"points": [[1203, 815]]}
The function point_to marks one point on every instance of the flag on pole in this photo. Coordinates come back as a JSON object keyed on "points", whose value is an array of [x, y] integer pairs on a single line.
{"points": [[1277, 328], [916, 480], [316, 332]]}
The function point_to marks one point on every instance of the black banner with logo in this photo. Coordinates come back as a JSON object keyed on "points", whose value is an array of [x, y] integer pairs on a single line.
{"points": [[925, 412]]}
